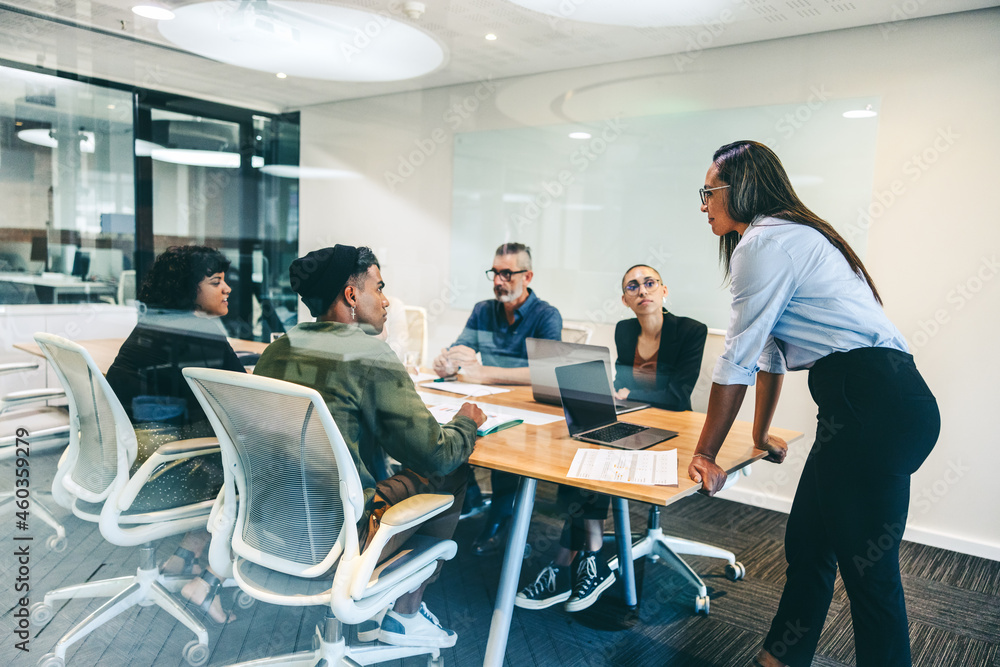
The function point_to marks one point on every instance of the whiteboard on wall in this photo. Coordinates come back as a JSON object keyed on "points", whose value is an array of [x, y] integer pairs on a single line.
{"points": [[590, 208]]}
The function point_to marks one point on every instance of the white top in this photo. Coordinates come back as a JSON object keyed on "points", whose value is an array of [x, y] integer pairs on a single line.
{"points": [[795, 300]]}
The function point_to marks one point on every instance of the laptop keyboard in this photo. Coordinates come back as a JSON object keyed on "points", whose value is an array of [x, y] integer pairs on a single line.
{"points": [[615, 432]]}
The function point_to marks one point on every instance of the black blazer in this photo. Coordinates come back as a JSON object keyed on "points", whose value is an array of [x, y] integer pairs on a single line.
{"points": [[682, 345]]}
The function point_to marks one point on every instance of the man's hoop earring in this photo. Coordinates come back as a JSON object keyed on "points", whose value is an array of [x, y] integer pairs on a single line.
{"points": [[352, 313]]}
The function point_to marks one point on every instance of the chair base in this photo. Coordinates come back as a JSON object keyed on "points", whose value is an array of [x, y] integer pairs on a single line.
{"points": [[666, 549], [147, 587], [332, 650], [56, 542]]}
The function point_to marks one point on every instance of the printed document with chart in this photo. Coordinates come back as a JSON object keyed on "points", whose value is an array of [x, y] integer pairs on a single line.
{"points": [[634, 467]]}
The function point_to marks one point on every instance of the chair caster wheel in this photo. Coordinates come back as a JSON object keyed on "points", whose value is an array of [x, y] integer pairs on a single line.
{"points": [[701, 604], [196, 654], [51, 660], [41, 614], [435, 660], [735, 572], [243, 600], [56, 543]]}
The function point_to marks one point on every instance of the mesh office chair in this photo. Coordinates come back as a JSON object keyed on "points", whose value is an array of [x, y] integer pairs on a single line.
{"points": [[300, 498], [26, 415], [93, 481]]}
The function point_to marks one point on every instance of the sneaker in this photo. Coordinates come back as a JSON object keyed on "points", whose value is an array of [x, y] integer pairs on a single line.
{"points": [[591, 578], [368, 631], [550, 587], [419, 629]]}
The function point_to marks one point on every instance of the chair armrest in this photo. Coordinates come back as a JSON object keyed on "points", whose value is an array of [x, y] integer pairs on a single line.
{"points": [[221, 525], [17, 366], [400, 517], [17, 398], [172, 451]]}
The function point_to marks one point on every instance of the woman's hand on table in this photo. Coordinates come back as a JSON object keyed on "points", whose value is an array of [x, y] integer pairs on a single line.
{"points": [[711, 476], [775, 447]]}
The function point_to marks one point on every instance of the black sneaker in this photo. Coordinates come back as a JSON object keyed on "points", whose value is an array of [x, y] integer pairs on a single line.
{"points": [[591, 577], [551, 587]]}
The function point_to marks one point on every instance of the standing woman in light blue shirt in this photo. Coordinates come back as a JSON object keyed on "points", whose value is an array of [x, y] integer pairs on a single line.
{"points": [[803, 299]]}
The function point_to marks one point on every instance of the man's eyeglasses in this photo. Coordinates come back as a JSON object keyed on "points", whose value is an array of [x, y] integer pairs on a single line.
{"points": [[707, 192], [632, 288], [504, 274]]}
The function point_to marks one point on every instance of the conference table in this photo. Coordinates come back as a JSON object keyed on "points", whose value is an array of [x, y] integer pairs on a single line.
{"points": [[546, 452], [104, 350], [49, 288]]}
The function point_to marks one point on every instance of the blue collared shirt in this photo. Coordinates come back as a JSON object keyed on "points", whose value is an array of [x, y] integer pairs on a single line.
{"points": [[795, 300], [502, 344]]}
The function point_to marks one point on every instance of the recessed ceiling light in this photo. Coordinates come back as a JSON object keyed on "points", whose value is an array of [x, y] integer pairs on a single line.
{"points": [[305, 40], [281, 75], [111, 106], [154, 12], [867, 112], [43, 137], [197, 158], [635, 13], [579, 135], [491, 37]]}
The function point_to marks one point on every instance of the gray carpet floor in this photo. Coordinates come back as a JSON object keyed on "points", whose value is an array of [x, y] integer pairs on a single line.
{"points": [[953, 601]]}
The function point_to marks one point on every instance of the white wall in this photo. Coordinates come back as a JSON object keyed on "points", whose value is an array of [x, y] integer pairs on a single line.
{"points": [[933, 232]]}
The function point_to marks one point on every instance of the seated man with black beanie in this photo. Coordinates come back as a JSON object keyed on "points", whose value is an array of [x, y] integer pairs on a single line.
{"points": [[377, 409]]}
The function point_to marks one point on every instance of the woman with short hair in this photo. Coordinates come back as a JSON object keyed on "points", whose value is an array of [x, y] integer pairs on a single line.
{"points": [[802, 299]]}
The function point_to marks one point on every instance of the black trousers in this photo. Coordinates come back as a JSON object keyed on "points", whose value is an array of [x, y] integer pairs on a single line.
{"points": [[878, 421]]}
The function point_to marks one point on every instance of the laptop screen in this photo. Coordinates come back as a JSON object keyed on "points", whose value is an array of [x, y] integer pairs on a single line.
{"points": [[586, 396], [544, 356]]}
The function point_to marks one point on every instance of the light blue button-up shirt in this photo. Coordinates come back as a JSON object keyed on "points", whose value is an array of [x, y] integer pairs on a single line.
{"points": [[795, 300]]}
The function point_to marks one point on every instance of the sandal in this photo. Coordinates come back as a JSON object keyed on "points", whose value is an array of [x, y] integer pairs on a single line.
{"points": [[205, 608], [190, 560]]}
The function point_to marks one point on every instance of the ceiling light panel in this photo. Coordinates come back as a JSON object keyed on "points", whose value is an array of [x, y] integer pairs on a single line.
{"points": [[305, 40]]}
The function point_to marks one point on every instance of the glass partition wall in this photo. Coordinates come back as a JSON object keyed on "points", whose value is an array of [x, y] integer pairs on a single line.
{"points": [[96, 181]]}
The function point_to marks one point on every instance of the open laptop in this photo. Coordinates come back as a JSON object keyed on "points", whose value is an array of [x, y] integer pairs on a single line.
{"points": [[544, 356], [590, 410]]}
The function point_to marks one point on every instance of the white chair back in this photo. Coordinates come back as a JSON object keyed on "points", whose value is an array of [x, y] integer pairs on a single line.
{"points": [[416, 322], [299, 492], [573, 332]]}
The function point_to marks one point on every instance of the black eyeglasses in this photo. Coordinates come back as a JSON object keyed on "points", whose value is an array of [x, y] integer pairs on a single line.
{"points": [[632, 288], [505, 274], [707, 192]]}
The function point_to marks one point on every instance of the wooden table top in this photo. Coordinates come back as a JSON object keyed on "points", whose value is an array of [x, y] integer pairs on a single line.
{"points": [[546, 452], [104, 350]]}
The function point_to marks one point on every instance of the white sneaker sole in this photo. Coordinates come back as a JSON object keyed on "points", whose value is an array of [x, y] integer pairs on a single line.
{"points": [[525, 603], [423, 642], [580, 605]]}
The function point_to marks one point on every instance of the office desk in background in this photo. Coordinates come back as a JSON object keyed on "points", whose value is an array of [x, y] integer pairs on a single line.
{"points": [[50, 289], [545, 453], [104, 350]]}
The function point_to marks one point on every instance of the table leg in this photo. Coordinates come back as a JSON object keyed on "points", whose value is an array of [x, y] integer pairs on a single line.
{"points": [[503, 611], [623, 535]]}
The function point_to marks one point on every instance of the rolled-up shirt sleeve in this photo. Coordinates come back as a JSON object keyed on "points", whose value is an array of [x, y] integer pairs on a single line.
{"points": [[763, 282]]}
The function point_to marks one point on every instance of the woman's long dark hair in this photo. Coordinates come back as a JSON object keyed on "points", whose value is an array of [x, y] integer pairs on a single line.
{"points": [[759, 186], [172, 281]]}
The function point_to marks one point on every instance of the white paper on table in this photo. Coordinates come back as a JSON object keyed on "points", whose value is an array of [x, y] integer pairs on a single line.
{"points": [[464, 388], [606, 465], [432, 399], [421, 377]]}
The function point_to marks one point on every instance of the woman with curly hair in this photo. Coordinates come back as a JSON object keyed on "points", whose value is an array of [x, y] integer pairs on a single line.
{"points": [[180, 301]]}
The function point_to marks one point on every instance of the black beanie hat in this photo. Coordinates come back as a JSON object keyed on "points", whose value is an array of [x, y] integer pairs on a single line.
{"points": [[321, 275]]}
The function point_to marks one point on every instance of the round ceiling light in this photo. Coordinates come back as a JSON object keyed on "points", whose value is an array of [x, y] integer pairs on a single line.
{"points": [[867, 112], [636, 13], [305, 40], [47, 138], [154, 12]]}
